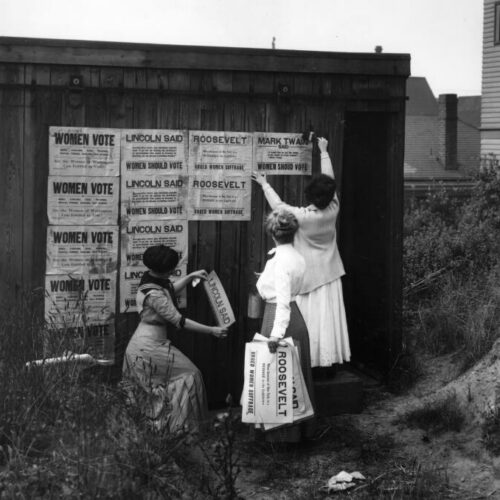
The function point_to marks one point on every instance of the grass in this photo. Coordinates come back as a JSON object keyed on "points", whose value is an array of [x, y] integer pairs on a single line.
{"points": [[65, 433], [463, 316], [437, 417], [491, 432]]}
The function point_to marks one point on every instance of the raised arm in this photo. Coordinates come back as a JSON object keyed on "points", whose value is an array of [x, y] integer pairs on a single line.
{"points": [[326, 162], [271, 195], [183, 282]]}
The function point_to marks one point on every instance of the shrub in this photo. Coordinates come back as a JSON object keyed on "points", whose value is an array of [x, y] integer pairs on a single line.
{"points": [[451, 270]]}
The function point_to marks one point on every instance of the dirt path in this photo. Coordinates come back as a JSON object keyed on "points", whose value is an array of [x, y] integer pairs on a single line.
{"points": [[381, 446]]}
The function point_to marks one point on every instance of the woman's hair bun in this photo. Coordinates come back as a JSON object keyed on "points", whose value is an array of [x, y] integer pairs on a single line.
{"points": [[282, 225]]}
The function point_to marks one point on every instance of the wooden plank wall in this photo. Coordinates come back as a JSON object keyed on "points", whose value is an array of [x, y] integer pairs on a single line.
{"points": [[34, 97]]}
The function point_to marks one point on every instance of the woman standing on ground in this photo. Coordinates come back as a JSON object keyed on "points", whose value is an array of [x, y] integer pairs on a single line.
{"points": [[278, 285], [172, 385], [320, 300]]}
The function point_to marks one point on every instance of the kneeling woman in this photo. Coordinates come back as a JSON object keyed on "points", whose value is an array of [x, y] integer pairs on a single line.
{"points": [[172, 385], [278, 285]]}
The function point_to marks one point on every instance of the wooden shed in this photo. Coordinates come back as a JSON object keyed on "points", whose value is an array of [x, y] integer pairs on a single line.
{"points": [[356, 100]]}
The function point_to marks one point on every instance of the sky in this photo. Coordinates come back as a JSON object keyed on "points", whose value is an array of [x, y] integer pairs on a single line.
{"points": [[443, 37]]}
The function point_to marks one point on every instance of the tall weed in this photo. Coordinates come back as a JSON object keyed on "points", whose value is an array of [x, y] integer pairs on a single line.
{"points": [[452, 270]]}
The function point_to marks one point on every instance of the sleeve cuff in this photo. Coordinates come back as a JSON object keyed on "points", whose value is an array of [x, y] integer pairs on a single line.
{"points": [[325, 155]]}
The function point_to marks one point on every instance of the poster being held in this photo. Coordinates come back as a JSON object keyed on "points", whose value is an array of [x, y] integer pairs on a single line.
{"points": [[268, 385], [221, 307]]}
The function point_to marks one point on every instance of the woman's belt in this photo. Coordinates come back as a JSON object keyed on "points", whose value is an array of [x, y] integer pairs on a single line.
{"points": [[273, 301], [153, 323]]}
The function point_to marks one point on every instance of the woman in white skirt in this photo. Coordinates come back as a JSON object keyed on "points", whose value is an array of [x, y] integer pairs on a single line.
{"points": [[320, 300]]}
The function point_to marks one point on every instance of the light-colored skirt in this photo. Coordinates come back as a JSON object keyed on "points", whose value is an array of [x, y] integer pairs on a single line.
{"points": [[324, 314], [163, 381]]}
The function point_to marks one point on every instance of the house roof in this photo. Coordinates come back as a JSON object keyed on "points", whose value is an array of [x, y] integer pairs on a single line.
{"points": [[421, 100], [421, 160]]}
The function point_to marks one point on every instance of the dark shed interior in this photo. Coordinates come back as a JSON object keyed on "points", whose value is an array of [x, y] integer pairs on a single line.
{"points": [[357, 101]]}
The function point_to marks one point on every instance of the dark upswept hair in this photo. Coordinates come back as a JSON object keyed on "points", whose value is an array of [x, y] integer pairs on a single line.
{"points": [[160, 258], [320, 190], [282, 225]]}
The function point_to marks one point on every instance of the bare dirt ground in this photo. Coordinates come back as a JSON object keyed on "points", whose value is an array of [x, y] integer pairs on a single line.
{"points": [[397, 461]]}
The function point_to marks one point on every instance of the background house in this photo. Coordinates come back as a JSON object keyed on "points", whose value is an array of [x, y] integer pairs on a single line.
{"points": [[442, 139], [490, 105]]}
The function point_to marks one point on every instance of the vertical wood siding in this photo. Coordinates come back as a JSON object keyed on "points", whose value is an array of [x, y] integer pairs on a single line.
{"points": [[34, 97]]}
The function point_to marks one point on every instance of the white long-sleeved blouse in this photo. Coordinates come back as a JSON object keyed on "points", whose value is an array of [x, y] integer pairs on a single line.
{"points": [[316, 238], [280, 282]]}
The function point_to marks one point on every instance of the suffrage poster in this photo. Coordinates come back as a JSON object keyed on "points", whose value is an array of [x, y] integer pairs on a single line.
{"points": [[130, 278], [82, 200], [282, 154], [221, 307], [146, 196], [79, 299], [96, 339], [81, 249], [84, 151], [146, 151], [138, 235], [219, 197], [267, 396], [228, 153]]}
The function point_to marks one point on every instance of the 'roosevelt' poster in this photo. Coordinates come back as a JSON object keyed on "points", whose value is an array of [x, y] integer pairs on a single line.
{"points": [[219, 197]]}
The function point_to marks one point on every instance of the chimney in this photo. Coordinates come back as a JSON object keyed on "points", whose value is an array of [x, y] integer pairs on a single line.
{"points": [[447, 130]]}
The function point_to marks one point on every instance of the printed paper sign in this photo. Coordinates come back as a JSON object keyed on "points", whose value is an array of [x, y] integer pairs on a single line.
{"points": [[219, 198], [147, 197], [228, 153], [219, 302], [153, 152], [282, 154], [268, 385], [130, 278], [81, 249], [97, 339], [82, 200], [137, 236], [79, 299], [84, 151]]}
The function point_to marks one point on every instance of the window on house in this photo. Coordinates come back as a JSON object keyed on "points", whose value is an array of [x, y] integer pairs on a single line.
{"points": [[497, 23]]}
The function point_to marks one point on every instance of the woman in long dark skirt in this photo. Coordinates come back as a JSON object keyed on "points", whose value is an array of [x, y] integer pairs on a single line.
{"points": [[278, 285]]}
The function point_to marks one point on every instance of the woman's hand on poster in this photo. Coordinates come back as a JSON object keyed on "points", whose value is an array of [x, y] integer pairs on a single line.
{"points": [[259, 178], [201, 274], [219, 332], [273, 343], [322, 144]]}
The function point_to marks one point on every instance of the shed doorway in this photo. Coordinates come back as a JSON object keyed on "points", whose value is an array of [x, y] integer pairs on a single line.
{"points": [[365, 240]]}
